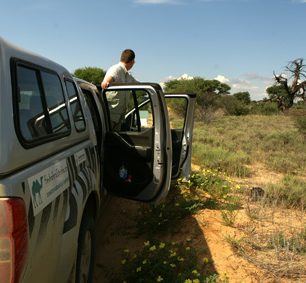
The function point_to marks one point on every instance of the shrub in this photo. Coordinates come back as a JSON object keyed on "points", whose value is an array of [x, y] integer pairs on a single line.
{"points": [[233, 106], [264, 108]]}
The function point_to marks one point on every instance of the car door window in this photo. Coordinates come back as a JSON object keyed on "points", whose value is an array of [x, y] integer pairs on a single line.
{"points": [[29, 104], [76, 109], [124, 108], [42, 112], [55, 102]]}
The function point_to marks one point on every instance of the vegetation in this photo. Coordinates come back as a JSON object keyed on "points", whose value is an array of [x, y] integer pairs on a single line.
{"points": [[214, 96], [209, 189], [289, 86], [165, 262], [233, 144], [208, 93], [291, 192], [90, 74], [229, 146], [230, 149], [161, 261]]}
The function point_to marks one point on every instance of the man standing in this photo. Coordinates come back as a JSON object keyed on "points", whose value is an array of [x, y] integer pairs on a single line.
{"points": [[119, 73]]}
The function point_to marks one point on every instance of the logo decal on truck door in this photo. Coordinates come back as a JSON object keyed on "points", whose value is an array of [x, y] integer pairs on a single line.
{"points": [[48, 184], [36, 188]]}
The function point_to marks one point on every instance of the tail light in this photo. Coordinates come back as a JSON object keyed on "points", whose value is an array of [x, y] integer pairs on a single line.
{"points": [[13, 239]]}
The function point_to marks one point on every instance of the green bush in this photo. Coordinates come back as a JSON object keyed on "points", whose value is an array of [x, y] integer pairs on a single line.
{"points": [[264, 108], [233, 106]]}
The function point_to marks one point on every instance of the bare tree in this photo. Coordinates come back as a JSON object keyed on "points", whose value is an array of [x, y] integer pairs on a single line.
{"points": [[294, 85]]}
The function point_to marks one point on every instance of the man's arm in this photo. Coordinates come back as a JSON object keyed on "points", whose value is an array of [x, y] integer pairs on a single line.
{"points": [[106, 81]]}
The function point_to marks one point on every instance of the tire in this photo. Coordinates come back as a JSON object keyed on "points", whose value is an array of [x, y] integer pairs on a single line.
{"points": [[86, 248]]}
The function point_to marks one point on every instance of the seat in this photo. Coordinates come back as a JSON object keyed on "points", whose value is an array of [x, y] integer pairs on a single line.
{"points": [[25, 116]]}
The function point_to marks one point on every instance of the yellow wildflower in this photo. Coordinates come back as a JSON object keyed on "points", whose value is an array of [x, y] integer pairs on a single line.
{"points": [[147, 243], [173, 265], [159, 279], [224, 276], [196, 280], [162, 245], [196, 273], [153, 248], [144, 261], [188, 281], [123, 261], [205, 260], [138, 269]]}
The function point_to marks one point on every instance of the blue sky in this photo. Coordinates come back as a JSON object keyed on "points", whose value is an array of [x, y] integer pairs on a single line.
{"points": [[241, 42]]}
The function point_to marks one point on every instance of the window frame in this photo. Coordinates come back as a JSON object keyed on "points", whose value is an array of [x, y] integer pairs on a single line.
{"points": [[50, 136], [80, 104]]}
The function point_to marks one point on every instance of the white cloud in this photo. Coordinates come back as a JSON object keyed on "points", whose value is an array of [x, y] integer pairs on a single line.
{"points": [[256, 90], [169, 78], [222, 79], [182, 77], [243, 85], [172, 78], [185, 77]]}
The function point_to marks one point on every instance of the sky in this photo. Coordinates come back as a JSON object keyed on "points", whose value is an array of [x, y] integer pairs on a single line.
{"points": [[239, 42]]}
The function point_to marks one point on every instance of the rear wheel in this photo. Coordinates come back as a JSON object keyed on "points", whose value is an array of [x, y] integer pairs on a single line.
{"points": [[86, 247]]}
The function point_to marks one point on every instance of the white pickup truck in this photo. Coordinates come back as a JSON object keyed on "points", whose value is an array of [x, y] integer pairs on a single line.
{"points": [[59, 157]]}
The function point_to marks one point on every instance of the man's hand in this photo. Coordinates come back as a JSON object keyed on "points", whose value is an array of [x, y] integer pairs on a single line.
{"points": [[106, 82]]}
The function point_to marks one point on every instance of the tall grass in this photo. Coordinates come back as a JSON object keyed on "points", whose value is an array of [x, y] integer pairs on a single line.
{"points": [[232, 143], [291, 192]]}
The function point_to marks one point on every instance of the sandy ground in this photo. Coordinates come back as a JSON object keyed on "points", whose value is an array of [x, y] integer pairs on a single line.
{"points": [[116, 227], [205, 229]]}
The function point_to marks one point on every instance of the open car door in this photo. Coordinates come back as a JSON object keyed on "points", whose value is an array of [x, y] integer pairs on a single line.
{"points": [[137, 147], [180, 108], [181, 115]]}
